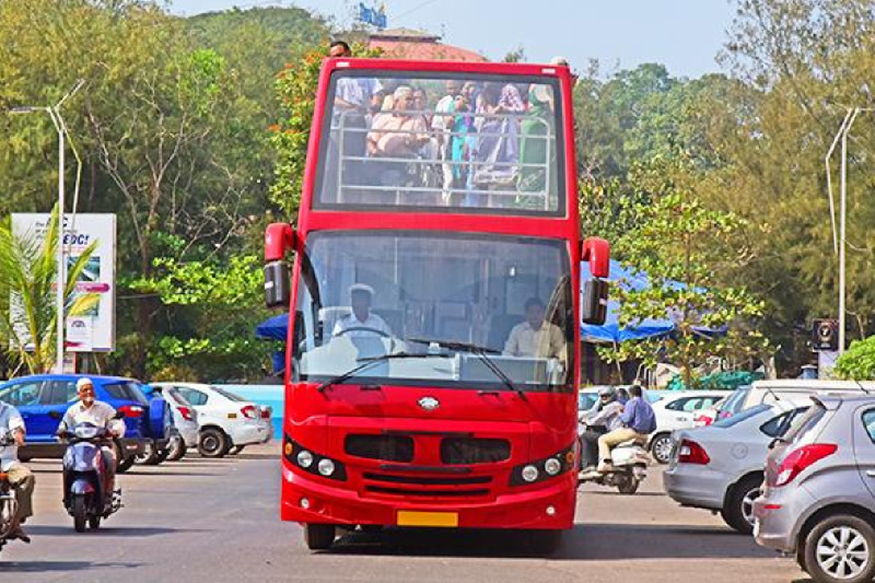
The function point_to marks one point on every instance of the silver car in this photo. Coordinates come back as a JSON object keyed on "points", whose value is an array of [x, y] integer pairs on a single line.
{"points": [[720, 467], [818, 498]]}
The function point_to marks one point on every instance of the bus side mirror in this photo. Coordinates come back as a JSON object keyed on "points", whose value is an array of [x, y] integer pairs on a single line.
{"points": [[595, 302], [598, 252], [278, 239]]}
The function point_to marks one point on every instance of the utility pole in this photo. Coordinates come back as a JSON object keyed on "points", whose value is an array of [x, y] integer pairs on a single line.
{"points": [[54, 112]]}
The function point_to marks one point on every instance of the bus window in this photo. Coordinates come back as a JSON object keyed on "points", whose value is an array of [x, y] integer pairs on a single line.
{"points": [[378, 293], [469, 143]]}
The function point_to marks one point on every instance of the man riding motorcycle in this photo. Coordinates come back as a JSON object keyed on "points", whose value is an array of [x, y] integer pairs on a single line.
{"points": [[89, 410], [604, 416], [19, 476], [637, 420]]}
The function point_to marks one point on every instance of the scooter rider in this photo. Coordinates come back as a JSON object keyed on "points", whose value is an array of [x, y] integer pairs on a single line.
{"points": [[89, 410], [638, 420], [604, 416], [19, 475]]}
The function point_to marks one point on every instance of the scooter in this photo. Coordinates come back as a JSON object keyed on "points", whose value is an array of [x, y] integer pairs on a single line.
{"points": [[89, 489], [8, 502], [629, 461]]}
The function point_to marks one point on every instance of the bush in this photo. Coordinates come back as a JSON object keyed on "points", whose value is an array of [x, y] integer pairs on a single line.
{"points": [[858, 362]]}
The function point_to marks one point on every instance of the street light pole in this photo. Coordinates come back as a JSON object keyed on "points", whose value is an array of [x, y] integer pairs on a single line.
{"points": [[54, 112]]}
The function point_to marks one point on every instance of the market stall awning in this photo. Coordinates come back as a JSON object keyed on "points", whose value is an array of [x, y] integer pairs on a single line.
{"points": [[274, 328]]}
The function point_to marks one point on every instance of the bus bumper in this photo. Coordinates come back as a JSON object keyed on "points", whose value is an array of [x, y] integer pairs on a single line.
{"points": [[548, 507]]}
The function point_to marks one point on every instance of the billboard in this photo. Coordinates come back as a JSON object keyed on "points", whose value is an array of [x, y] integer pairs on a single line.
{"points": [[93, 331]]}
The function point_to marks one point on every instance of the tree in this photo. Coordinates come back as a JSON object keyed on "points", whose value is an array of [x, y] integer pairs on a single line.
{"points": [[858, 363], [28, 276], [686, 250]]}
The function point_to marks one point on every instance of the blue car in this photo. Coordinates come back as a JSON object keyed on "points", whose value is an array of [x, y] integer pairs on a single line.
{"points": [[43, 399]]}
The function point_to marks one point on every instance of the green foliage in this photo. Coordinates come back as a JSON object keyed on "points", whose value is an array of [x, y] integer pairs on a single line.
{"points": [[296, 87], [858, 362], [686, 250]]}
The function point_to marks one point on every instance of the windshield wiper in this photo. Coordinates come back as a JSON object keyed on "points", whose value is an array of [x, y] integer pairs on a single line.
{"points": [[371, 361], [480, 351]]}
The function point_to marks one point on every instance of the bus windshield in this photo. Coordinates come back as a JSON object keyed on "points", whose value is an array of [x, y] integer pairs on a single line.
{"points": [[470, 142], [443, 300]]}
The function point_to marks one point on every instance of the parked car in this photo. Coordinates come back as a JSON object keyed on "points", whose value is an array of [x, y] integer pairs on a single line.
{"points": [[186, 433], [43, 400], [818, 498], [720, 467], [677, 410], [225, 420]]}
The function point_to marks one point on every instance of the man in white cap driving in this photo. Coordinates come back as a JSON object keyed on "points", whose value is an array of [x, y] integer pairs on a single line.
{"points": [[361, 322], [89, 410]]}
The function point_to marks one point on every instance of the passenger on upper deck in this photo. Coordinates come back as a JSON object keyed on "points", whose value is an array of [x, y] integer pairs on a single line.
{"points": [[535, 337], [397, 133], [361, 322]]}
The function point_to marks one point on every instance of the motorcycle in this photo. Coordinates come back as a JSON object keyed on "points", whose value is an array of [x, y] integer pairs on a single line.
{"points": [[629, 462], [89, 489], [8, 502]]}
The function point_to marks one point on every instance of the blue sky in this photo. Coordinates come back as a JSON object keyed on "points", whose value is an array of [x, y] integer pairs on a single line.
{"points": [[684, 35]]}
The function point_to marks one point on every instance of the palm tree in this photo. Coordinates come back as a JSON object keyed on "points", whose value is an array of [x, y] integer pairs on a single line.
{"points": [[28, 269]]}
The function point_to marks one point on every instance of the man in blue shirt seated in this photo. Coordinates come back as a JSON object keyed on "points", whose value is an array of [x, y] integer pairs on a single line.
{"points": [[638, 421]]}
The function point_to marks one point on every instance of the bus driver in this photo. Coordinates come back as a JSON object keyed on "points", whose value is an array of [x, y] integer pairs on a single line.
{"points": [[535, 337], [361, 322]]}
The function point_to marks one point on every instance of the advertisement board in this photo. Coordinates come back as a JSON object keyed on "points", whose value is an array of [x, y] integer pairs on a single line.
{"points": [[93, 331]]}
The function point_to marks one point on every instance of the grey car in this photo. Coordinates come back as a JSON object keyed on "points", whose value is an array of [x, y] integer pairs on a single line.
{"points": [[720, 467], [818, 498]]}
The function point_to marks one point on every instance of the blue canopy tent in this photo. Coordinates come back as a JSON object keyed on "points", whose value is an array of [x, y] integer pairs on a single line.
{"points": [[611, 331], [274, 328]]}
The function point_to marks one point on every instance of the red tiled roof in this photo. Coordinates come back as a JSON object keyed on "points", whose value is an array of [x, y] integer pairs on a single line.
{"points": [[424, 51]]}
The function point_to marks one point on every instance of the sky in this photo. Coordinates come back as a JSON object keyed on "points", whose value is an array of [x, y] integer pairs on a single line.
{"points": [[684, 35]]}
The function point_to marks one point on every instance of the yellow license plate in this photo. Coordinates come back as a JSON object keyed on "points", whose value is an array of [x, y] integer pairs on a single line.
{"points": [[440, 519]]}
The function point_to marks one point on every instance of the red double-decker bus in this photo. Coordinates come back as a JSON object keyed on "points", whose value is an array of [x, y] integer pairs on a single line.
{"points": [[433, 347]]}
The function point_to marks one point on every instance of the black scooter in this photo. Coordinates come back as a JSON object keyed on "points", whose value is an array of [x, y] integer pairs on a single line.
{"points": [[89, 488]]}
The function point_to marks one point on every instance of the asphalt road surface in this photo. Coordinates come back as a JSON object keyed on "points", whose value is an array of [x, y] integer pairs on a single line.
{"points": [[217, 521]]}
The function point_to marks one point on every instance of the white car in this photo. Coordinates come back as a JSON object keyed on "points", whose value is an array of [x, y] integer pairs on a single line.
{"points": [[720, 467], [225, 420], [677, 410], [185, 421]]}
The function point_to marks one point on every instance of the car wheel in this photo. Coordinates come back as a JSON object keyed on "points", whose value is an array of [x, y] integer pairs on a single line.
{"points": [[319, 537], [841, 548], [160, 456], [125, 464], [149, 455], [213, 442], [660, 448], [737, 509], [176, 450]]}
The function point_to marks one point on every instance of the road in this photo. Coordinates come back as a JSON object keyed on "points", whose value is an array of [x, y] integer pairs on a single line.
{"points": [[216, 521]]}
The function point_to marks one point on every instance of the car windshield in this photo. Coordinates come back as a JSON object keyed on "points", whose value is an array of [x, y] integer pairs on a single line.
{"points": [[735, 401], [743, 416], [228, 394], [470, 142], [476, 307]]}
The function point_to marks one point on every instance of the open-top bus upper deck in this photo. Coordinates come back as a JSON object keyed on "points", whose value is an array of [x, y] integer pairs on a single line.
{"points": [[486, 143]]}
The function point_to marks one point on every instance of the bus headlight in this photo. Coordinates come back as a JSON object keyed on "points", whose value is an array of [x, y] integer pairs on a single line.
{"points": [[530, 473], [552, 466], [312, 462], [305, 459], [326, 467]]}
